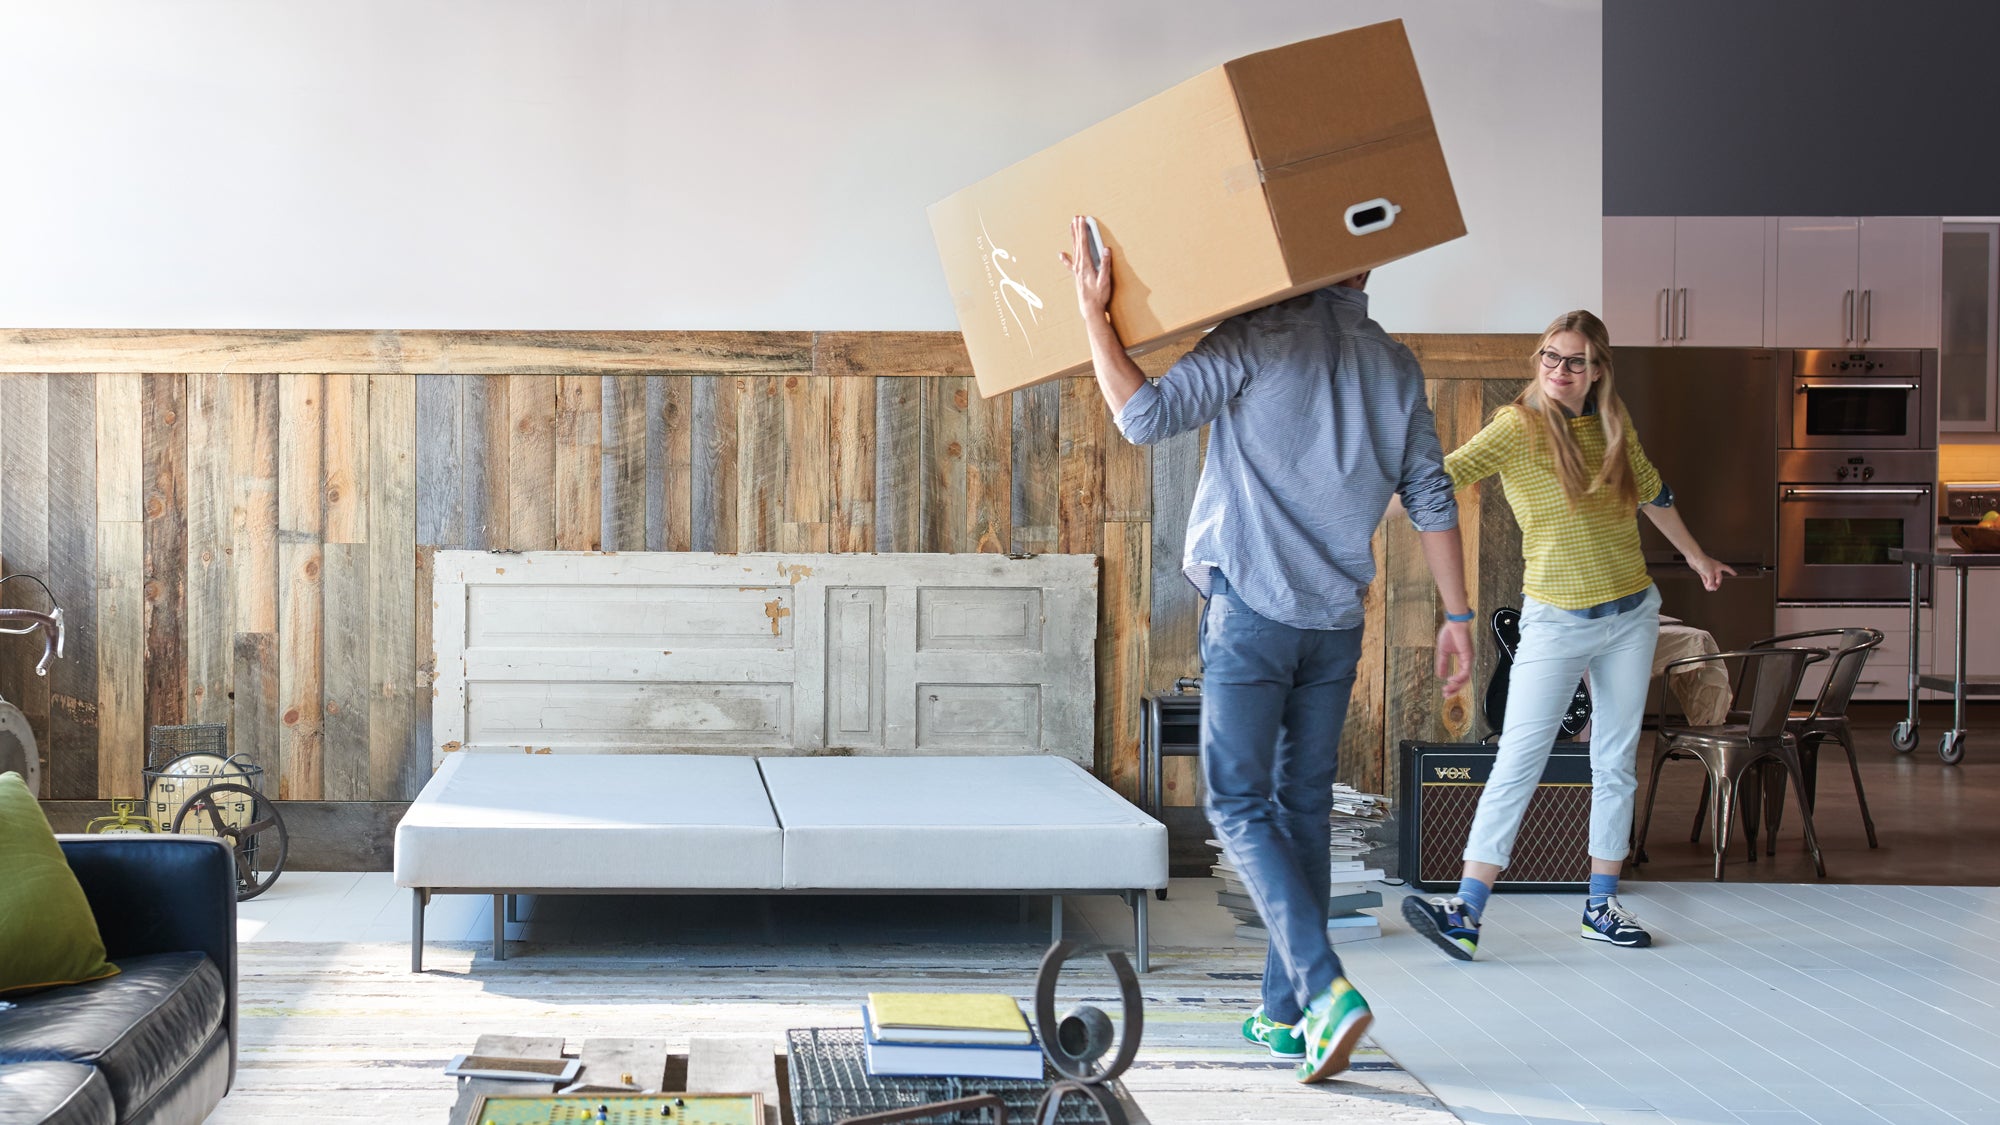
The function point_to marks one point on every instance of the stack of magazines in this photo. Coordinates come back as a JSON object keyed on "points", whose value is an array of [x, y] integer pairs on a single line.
{"points": [[1352, 891], [948, 1034]]}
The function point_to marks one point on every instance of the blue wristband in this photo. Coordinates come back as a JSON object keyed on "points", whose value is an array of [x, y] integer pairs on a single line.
{"points": [[1459, 617]]}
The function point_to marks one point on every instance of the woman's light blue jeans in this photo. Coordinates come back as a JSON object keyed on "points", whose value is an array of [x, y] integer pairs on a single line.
{"points": [[1274, 699], [1557, 647]]}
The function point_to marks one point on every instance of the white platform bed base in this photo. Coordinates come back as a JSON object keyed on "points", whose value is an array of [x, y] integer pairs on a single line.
{"points": [[699, 824]]}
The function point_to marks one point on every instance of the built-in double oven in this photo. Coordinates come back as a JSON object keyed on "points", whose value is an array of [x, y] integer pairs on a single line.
{"points": [[1857, 474]]}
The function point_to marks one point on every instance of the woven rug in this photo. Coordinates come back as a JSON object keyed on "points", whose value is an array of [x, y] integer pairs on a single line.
{"points": [[345, 1032]]}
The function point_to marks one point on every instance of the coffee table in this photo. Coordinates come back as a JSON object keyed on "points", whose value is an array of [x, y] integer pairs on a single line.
{"points": [[609, 1065], [743, 1065]]}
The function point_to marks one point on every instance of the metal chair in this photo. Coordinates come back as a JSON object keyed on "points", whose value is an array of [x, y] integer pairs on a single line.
{"points": [[1731, 749], [1827, 718]]}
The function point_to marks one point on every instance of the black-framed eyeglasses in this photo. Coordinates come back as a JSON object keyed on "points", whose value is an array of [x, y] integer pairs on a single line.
{"points": [[1574, 364]]}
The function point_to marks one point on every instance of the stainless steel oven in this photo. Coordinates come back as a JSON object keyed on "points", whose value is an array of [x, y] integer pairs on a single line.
{"points": [[1840, 513], [1863, 400]]}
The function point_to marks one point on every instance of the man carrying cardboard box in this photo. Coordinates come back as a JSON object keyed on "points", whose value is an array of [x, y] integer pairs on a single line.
{"points": [[1319, 418]]}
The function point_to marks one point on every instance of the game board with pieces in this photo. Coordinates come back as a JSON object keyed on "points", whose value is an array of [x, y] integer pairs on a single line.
{"points": [[620, 1109]]}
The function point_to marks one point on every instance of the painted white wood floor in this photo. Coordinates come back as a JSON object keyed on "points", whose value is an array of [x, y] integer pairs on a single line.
{"points": [[1763, 1003]]}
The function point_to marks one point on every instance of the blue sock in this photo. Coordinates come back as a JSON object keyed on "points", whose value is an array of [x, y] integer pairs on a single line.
{"points": [[1475, 894], [1602, 887]]}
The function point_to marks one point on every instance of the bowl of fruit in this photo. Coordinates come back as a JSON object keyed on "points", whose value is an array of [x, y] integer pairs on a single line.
{"points": [[1982, 537]]}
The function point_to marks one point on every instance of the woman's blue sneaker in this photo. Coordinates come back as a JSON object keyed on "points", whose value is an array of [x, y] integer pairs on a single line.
{"points": [[1610, 922], [1445, 921]]}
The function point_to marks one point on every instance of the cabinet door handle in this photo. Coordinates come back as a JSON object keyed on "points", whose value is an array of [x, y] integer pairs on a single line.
{"points": [[1847, 315], [1684, 314], [1665, 307], [1867, 314]]}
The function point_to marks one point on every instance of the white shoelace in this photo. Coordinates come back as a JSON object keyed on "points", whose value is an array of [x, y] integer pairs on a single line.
{"points": [[1619, 914]]}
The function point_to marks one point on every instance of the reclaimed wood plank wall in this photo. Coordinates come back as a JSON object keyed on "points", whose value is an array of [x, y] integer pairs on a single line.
{"points": [[240, 524]]}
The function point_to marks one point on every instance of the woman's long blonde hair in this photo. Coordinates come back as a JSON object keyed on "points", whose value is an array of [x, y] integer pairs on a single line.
{"points": [[1615, 474]]}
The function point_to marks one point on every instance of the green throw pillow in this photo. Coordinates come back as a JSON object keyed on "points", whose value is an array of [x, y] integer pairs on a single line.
{"points": [[47, 934]]}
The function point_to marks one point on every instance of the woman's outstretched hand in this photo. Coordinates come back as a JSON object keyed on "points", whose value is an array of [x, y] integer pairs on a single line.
{"points": [[1711, 571]]}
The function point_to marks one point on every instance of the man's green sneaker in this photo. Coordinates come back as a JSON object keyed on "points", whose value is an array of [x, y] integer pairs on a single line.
{"points": [[1282, 1038], [1333, 1025]]}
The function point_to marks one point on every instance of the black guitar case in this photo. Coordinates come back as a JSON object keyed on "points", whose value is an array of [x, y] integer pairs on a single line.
{"points": [[1506, 623]]}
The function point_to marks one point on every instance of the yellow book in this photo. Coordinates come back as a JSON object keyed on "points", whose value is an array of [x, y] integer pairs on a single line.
{"points": [[947, 1017]]}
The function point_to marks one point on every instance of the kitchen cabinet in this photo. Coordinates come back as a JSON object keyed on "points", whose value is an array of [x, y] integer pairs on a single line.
{"points": [[1688, 281], [1982, 640], [1968, 374], [1886, 676], [1857, 282]]}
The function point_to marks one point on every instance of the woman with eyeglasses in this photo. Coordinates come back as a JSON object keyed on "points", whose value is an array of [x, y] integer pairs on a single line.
{"points": [[1574, 472]]}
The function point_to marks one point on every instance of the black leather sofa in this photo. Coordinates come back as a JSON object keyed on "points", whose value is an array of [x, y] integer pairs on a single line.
{"points": [[155, 1044]]}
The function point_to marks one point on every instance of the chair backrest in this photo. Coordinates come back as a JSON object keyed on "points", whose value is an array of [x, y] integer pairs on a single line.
{"points": [[1845, 672], [1775, 674]]}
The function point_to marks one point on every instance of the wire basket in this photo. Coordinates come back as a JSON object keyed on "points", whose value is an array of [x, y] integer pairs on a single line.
{"points": [[183, 760], [828, 1070], [164, 744]]}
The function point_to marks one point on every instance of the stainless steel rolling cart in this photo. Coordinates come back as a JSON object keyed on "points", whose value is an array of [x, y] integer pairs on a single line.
{"points": [[1951, 744]]}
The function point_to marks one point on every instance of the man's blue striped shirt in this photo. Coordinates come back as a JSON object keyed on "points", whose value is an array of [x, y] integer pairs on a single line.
{"points": [[1319, 417]]}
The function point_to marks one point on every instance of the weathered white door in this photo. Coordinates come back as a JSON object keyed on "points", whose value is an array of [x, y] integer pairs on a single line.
{"points": [[636, 652]]}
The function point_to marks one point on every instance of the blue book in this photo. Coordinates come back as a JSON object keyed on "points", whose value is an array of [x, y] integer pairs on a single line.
{"points": [[938, 1060]]}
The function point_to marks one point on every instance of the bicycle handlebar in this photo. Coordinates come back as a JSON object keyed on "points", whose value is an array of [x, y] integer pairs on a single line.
{"points": [[50, 625]]}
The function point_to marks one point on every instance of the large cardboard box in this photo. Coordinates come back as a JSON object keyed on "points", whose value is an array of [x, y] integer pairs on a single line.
{"points": [[1266, 177]]}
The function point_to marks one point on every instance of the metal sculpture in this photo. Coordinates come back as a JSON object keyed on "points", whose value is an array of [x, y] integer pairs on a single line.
{"points": [[1075, 1045]]}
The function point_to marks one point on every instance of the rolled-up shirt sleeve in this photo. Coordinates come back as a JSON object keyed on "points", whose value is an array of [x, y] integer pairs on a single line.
{"points": [[1193, 392], [1646, 480], [1425, 487]]}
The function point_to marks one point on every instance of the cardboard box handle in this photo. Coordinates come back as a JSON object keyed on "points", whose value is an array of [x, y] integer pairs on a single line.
{"points": [[1372, 215]]}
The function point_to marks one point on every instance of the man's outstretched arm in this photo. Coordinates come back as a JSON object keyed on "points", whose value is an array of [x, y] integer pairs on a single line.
{"points": [[1117, 376], [1445, 555]]}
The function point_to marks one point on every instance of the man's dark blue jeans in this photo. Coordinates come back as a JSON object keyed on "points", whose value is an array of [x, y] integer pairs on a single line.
{"points": [[1274, 699]]}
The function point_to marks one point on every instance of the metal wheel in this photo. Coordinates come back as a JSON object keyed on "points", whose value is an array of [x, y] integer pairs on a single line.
{"points": [[1951, 747], [242, 818], [1904, 737]]}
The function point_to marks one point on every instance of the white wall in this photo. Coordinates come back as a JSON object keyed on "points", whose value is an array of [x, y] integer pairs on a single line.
{"points": [[645, 164]]}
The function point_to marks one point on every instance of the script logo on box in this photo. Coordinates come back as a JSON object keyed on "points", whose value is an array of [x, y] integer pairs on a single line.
{"points": [[1453, 773], [1006, 290]]}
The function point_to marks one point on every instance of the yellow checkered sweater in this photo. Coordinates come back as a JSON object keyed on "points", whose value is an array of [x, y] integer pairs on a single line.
{"points": [[1578, 555]]}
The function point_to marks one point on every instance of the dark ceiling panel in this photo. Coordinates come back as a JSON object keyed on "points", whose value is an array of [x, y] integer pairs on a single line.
{"points": [[1801, 107]]}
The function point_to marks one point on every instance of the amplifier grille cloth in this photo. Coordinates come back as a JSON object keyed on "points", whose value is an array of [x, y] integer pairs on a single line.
{"points": [[1549, 848]]}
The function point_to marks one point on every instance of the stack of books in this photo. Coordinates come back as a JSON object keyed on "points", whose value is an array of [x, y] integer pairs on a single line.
{"points": [[1355, 814], [948, 1034]]}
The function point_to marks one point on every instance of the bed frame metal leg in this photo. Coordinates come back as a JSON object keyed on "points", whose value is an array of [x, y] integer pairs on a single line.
{"points": [[499, 928], [1139, 900], [419, 897], [1055, 919]]}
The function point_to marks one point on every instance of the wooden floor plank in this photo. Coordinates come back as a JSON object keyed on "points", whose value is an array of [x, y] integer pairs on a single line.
{"points": [[579, 463], [531, 462], [713, 482], [1036, 480], [73, 745], [121, 655], [902, 461], [211, 586], [670, 462], [397, 752], [166, 454]]}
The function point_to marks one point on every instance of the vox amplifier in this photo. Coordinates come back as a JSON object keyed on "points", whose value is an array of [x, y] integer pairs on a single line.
{"points": [[1442, 782]]}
